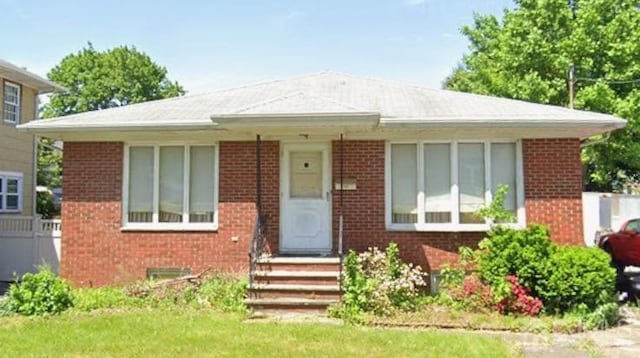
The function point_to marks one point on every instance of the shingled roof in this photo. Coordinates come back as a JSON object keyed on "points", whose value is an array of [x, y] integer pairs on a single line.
{"points": [[326, 94]]}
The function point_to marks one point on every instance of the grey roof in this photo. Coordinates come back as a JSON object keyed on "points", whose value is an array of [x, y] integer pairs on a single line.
{"points": [[20, 75], [326, 93]]}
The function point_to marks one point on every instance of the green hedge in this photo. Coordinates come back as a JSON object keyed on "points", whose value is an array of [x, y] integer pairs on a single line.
{"points": [[576, 275], [564, 278], [508, 251]]}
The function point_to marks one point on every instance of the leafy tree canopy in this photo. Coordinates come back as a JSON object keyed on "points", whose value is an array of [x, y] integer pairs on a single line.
{"points": [[111, 78], [526, 54]]}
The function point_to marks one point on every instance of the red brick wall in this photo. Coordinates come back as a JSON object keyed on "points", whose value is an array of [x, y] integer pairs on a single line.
{"points": [[364, 211], [553, 195], [553, 187], [96, 252]]}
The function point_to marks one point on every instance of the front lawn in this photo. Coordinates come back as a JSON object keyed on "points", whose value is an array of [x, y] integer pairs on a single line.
{"points": [[175, 332]]}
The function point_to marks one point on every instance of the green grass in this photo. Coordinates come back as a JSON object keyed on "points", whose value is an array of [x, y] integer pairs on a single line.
{"points": [[196, 333]]}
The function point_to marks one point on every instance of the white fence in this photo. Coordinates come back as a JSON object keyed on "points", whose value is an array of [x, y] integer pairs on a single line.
{"points": [[607, 211], [27, 242]]}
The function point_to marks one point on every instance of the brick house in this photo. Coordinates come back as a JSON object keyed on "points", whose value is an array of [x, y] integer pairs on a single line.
{"points": [[328, 162]]}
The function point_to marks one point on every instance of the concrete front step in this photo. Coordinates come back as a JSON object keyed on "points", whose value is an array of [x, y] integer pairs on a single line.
{"points": [[297, 277], [289, 304], [299, 260], [329, 295], [295, 284], [296, 287], [284, 273], [298, 264]]}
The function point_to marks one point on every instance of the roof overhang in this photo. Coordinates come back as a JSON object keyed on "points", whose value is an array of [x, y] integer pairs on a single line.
{"points": [[46, 126], [20, 75], [568, 127], [356, 125], [297, 121]]}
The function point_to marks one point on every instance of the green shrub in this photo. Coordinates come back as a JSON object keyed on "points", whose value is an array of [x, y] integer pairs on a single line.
{"points": [[89, 299], [603, 317], [523, 253], [378, 282], [452, 276], [39, 294], [223, 293], [495, 212], [5, 307], [356, 290], [576, 275]]}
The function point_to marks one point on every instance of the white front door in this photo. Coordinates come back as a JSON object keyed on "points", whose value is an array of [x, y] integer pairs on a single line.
{"points": [[306, 199]]}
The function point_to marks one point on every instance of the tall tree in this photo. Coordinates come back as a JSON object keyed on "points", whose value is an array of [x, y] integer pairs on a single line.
{"points": [[99, 80], [526, 54], [112, 78]]}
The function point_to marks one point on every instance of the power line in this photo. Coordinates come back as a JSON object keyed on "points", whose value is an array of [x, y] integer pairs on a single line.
{"points": [[572, 80], [611, 82]]}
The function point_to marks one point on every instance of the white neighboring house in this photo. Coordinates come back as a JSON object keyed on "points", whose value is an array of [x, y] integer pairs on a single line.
{"points": [[19, 90]]}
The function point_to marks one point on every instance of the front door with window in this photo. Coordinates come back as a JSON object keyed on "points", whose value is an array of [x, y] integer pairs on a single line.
{"points": [[306, 201]]}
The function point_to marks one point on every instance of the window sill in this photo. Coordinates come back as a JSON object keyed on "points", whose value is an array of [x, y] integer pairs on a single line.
{"points": [[169, 227], [10, 122], [447, 227]]}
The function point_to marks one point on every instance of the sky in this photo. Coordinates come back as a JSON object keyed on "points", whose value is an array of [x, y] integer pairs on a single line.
{"points": [[209, 45]]}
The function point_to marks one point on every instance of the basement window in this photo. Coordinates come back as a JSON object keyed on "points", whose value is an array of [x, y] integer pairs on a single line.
{"points": [[163, 273], [438, 186], [170, 187]]}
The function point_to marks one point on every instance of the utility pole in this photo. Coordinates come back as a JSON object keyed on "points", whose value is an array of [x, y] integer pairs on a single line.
{"points": [[572, 82]]}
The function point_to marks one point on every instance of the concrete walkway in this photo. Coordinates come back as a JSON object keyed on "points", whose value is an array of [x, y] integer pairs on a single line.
{"points": [[622, 341]]}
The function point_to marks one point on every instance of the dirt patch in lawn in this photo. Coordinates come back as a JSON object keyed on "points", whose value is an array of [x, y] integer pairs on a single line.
{"points": [[443, 317]]}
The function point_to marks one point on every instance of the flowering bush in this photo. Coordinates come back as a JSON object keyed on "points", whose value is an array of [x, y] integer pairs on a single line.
{"points": [[379, 282], [473, 294], [518, 299]]}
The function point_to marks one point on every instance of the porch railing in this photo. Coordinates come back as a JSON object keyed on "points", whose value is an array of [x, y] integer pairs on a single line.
{"points": [[51, 227], [258, 247]]}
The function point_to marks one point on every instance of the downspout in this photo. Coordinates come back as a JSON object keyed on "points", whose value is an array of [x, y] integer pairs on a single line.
{"points": [[258, 178], [341, 218], [255, 249], [586, 143]]}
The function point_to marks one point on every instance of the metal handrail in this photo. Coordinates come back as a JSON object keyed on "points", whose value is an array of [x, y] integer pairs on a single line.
{"points": [[258, 246]]}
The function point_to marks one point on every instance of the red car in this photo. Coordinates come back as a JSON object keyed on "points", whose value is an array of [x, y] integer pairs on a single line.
{"points": [[624, 245]]}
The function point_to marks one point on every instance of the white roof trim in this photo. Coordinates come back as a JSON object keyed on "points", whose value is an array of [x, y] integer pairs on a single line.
{"points": [[17, 74], [42, 127], [516, 122], [298, 120]]}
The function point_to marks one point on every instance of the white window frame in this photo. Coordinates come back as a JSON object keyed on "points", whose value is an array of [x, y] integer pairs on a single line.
{"points": [[5, 103], [454, 226], [6, 176], [185, 225]]}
